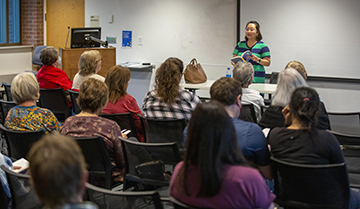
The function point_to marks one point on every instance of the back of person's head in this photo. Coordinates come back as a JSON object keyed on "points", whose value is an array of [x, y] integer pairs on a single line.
{"points": [[225, 90], [88, 62], [25, 87], [167, 79], [288, 80], [297, 66], [57, 169], [93, 94], [211, 142], [244, 73], [304, 106], [117, 79], [49, 55]]}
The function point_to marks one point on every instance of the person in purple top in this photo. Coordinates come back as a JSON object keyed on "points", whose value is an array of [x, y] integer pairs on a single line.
{"points": [[214, 173]]}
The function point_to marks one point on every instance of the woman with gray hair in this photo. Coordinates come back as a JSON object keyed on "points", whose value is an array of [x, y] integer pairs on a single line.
{"points": [[89, 65], [244, 73], [289, 80], [26, 116]]}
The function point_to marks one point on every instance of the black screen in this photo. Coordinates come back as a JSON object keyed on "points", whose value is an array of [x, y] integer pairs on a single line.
{"points": [[78, 37]]}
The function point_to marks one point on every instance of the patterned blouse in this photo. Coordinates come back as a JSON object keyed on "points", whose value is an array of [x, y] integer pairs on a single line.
{"points": [[181, 108], [83, 126], [31, 118]]}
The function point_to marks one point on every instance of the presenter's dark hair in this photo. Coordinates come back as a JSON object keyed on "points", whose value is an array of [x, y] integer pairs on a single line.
{"points": [[167, 80], [211, 142], [304, 106], [257, 25]]}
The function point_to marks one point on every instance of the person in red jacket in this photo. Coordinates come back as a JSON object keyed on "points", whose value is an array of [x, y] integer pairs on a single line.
{"points": [[49, 76]]}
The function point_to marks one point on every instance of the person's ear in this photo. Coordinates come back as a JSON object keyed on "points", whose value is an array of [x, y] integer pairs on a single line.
{"points": [[238, 100]]}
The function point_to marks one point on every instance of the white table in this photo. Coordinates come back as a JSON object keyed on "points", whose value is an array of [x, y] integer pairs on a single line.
{"points": [[264, 88]]}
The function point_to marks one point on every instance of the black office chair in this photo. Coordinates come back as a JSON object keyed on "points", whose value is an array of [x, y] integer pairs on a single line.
{"points": [[20, 142], [350, 145], [7, 88], [97, 159], [165, 130], [105, 199], [248, 113], [311, 186], [73, 96], [56, 101], [22, 194], [5, 107], [125, 121], [345, 122], [136, 153], [273, 80]]}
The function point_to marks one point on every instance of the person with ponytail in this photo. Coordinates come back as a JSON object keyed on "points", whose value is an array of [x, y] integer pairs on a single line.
{"points": [[214, 173], [167, 100], [301, 141]]}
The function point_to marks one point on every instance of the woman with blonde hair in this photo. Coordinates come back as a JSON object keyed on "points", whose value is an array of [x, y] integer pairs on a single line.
{"points": [[89, 64], [26, 116], [117, 80], [167, 100]]}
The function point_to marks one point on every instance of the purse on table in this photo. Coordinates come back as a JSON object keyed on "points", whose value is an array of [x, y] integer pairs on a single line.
{"points": [[194, 73]]}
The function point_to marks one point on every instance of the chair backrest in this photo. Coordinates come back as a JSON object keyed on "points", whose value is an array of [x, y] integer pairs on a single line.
{"points": [[7, 88], [144, 126], [274, 77], [125, 121], [166, 130], [248, 113], [345, 122], [20, 142], [97, 158], [55, 100], [136, 153], [311, 186], [5, 107], [22, 194], [104, 198], [36, 55], [73, 96]]}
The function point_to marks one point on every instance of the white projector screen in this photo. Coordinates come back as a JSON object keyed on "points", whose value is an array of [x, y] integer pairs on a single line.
{"points": [[322, 34]]}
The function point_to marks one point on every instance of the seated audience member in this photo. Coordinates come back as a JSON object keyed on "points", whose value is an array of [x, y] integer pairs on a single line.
{"points": [[301, 141], [50, 77], [58, 172], [244, 73], [93, 97], [89, 65], [323, 120], [167, 100], [213, 173], [289, 79], [26, 116], [117, 80]]}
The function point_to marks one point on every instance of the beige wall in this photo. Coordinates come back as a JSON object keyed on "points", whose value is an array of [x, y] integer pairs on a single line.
{"points": [[62, 14]]}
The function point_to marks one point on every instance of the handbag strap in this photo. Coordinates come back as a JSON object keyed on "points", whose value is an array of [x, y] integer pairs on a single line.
{"points": [[193, 62]]}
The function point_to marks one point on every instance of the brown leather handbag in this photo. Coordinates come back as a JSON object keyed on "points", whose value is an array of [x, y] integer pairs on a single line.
{"points": [[194, 73]]}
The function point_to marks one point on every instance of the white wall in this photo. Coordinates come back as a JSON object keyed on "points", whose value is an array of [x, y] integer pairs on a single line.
{"points": [[204, 29], [322, 34]]}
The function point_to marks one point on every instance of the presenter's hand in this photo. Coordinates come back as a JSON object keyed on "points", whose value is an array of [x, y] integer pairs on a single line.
{"points": [[254, 58]]}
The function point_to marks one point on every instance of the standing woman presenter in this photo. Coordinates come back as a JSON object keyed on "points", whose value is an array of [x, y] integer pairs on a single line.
{"points": [[259, 50]]}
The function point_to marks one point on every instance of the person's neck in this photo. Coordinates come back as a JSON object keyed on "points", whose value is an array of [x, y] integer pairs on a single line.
{"points": [[232, 111], [83, 113], [28, 103], [251, 42], [296, 125]]}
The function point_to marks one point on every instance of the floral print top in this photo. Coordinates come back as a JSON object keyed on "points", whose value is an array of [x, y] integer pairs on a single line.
{"points": [[83, 126], [32, 118]]}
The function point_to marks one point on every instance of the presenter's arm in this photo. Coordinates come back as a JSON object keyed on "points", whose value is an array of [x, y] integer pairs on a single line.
{"points": [[264, 61]]}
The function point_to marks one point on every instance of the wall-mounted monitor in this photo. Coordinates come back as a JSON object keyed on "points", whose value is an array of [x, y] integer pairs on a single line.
{"points": [[80, 37]]}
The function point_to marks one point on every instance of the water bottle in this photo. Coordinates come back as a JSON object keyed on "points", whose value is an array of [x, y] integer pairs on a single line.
{"points": [[228, 72]]}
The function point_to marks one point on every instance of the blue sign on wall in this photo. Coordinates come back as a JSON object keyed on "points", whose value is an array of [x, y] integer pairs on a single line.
{"points": [[126, 38]]}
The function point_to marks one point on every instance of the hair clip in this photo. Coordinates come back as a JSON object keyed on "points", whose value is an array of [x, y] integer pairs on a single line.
{"points": [[306, 99]]}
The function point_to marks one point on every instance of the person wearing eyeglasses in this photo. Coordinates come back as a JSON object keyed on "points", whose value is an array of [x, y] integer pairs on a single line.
{"points": [[260, 52]]}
